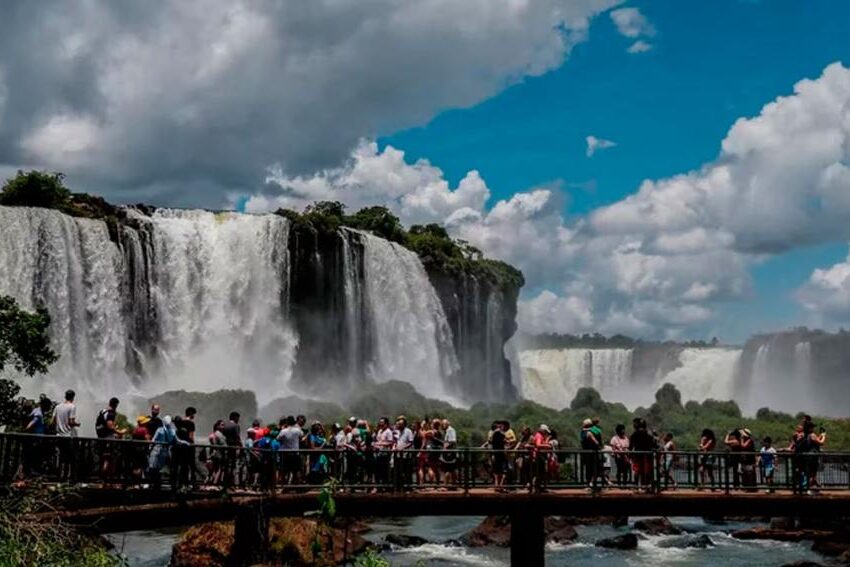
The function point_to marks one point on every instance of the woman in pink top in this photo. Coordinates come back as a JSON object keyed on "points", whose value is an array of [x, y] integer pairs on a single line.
{"points": [[620, 446]]}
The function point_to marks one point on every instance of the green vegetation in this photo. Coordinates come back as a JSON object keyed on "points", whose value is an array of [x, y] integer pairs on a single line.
{"points": [[47, 190], [25, 346], [438, 251], [596, 340], [32, 542], [667, 414]]}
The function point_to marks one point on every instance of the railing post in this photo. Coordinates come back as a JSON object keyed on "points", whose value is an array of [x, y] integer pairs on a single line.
{"points": [[467, 469]]}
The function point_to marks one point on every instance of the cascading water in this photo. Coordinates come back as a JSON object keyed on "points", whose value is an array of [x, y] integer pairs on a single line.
{"points": [[70, 266], [705, 373], [412, 339], [552, 377]]}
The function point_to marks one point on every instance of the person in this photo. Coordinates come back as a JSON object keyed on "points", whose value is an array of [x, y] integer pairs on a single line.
{"points": [[434, 438], [403, 444], [33, 454], [140, 449], [668, 460], [806, 445], [733, 444], [511, 442], [163, 440], [448, 458], [523, 464], [185, 464], [384, 441], [496, 443], [216, 460], [553, 466], [262, 460], [154, 421], [107, 430], [290, 440], [590, 454], [541, 449], [620, 447], [317, 461], [767, 462], [65, 416], [748, 460], [642, 445], [707, 444], [37, 424], [420, 456]]}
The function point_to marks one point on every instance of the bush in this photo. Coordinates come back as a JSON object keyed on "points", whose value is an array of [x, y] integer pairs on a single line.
{"points": [[36, 189]]}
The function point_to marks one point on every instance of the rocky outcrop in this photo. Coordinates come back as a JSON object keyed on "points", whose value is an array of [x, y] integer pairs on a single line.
{"points": [[290, 543], [700, 541], [625, 541], [403, 540], [496, 530], [657, 526], [783, 535]]}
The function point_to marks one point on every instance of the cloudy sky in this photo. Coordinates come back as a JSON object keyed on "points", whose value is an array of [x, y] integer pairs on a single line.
{"points": [[664, 168]]}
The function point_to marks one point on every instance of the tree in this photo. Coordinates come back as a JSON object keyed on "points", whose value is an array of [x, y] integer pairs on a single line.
{"points": [[24, 345], [36, 189]]}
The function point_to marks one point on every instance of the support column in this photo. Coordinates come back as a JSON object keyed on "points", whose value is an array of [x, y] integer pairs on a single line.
{"points": [[528, 540], [250, 537]]}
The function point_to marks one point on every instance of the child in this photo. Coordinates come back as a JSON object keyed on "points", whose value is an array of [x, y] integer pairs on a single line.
{"points": [[669, 456], [767, 461], [607, 464]]}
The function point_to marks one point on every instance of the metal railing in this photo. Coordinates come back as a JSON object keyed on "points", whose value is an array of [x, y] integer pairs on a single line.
{"points": [[146, 465]]}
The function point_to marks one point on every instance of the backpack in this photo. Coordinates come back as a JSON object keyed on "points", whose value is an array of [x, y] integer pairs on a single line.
{"points": [[100, 424]]}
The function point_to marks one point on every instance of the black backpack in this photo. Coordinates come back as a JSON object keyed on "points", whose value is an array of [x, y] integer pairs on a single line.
{"points": [[100, 423]]}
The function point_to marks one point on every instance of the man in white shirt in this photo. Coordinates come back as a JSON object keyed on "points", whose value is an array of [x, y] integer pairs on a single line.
{"points": [[65, 418], [384, 442], [290, 437], [449, 458], [403, 457]]}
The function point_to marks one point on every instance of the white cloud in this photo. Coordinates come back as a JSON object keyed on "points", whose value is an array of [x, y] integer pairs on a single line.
{"points": [[657, 262], [632, 23], [184, 100], [594, 144], [826, 296], [640, 46]]}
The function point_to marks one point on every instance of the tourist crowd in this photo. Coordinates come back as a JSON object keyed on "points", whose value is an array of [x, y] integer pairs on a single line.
{"points": [[402, 454]]}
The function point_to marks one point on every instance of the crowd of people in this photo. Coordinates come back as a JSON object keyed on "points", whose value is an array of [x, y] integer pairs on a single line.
{"points": [[401, 454]]}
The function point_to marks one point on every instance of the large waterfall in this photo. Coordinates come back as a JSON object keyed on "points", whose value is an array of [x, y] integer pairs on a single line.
{"points": [[195, 300]]}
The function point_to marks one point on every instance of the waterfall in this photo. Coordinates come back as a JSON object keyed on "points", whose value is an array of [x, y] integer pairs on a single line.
{"points": [[218, 286], [705, 373], [70, 266], [412, 339], [552, 377]]}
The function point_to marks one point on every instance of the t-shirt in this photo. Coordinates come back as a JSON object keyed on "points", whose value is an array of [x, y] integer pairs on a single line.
{"points": [[230, 430], [597, 432], [154, 424], [451, 435], [497, 441], [405, 439], [768, 456], [641, 440], [105, 416], [340, 439], [185, 427], [289, 438], [620, 443], [510, 438], [63, 415], [385, 439], [587, 440], [37, 419]]}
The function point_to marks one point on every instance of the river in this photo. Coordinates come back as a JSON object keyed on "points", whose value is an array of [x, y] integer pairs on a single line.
{"points": [[153, 548]]}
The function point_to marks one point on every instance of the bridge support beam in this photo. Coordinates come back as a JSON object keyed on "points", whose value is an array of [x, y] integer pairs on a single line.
{"points": [[250, 537], [528, 540]]}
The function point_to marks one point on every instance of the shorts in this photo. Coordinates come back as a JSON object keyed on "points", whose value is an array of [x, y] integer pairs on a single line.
{"points": [[291, 462], [768, 471], [500, 463]]}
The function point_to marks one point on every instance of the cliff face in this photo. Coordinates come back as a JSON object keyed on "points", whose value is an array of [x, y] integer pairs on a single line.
{"points": [[482, 317]]}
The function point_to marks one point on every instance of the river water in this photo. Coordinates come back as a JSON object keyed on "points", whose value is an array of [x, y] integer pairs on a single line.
{"points": [[153, 548]]}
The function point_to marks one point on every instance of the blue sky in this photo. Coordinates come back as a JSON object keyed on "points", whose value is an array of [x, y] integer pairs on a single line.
{"points": [[723, 207], [667, 110]]}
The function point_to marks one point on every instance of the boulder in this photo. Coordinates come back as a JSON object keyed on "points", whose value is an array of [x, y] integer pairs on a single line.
{"points": [[802, 563], [290, 543], [831, 548], [782, 535], [620, 522], [657, 526], [700, 541], [496, 530], [625, 541], [402, 540], [783, 523]]}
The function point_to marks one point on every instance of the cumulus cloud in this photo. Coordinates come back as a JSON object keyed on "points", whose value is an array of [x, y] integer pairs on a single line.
{"points": [[640, 46], [136, 101], [633, 24], [826, 295], [594, 144], [659, 261]]}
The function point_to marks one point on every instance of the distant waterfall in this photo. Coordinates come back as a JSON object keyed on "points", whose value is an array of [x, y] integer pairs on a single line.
{"points": [[412, 339], [552, 377], [71, 267], [705, 373]]}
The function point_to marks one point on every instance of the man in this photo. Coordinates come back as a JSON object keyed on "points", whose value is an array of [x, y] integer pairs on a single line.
{"points": [[448, 458], [290, 441], [65, 418], [590, 444], [541, 449], [233, 438], [642, 444], [107, 430], [383, 444], [404, 460], [154, 421], [186, 466], [510, 443]]}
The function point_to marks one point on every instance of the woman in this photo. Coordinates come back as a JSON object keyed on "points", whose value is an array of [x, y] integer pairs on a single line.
{"points": [[216, 456], [707, 444], [163, 439], [318, 460], [435, 447], [421, 455], [620, 447], [141, 435], [669, 457]]}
